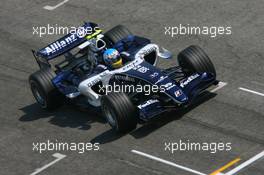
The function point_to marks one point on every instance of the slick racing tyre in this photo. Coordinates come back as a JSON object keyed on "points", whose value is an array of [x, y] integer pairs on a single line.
{"points": [[119, 111], [46, 95], [194, 59], [117, 33]]}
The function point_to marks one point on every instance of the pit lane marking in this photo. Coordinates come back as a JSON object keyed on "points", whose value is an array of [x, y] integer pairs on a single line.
{"points": [[219, 86], [167, 162], [218, 172], [251, 91], [48, 7], [58, 157], [246, 163]]}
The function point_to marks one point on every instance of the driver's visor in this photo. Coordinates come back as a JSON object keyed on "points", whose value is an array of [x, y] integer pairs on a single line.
{"points": [[118, 63]]}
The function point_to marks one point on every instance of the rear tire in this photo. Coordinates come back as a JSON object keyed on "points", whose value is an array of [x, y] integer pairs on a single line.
{"points": [[194, 59], [46, 95], [117, 33], [120, 112]]}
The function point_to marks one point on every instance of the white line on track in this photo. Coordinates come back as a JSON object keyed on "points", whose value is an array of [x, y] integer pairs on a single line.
{"points": [[48, 7], [219, 86], [246, 163], [167, 162], [251, 91], [57, 155]]}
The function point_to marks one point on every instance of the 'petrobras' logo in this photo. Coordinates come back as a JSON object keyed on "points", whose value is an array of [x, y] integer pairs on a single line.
{"points": [[189, 79]]}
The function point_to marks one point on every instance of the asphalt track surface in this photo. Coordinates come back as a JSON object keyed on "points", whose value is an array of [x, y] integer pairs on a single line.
{"points": [[228, 115]]}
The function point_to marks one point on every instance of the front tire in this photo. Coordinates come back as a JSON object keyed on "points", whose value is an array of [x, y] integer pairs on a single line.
{"points": [[194, 59], [120, 112], [46, 95]]}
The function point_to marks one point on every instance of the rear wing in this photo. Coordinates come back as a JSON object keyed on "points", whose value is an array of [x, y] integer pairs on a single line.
{"points": [[66, 43], [42, 62]]}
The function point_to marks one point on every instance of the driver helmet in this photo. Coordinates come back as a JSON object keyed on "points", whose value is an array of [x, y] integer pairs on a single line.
{"points": [[112, 58]]}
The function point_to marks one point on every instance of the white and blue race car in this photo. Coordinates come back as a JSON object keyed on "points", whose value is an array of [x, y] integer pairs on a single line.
{"points": [[83, 76]]}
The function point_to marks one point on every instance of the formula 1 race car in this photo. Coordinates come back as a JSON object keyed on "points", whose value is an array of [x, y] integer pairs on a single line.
{"points": [[83, 76]]}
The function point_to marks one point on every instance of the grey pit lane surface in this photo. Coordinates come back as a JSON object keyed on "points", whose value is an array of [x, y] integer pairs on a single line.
{"points": [[230, 115]]}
